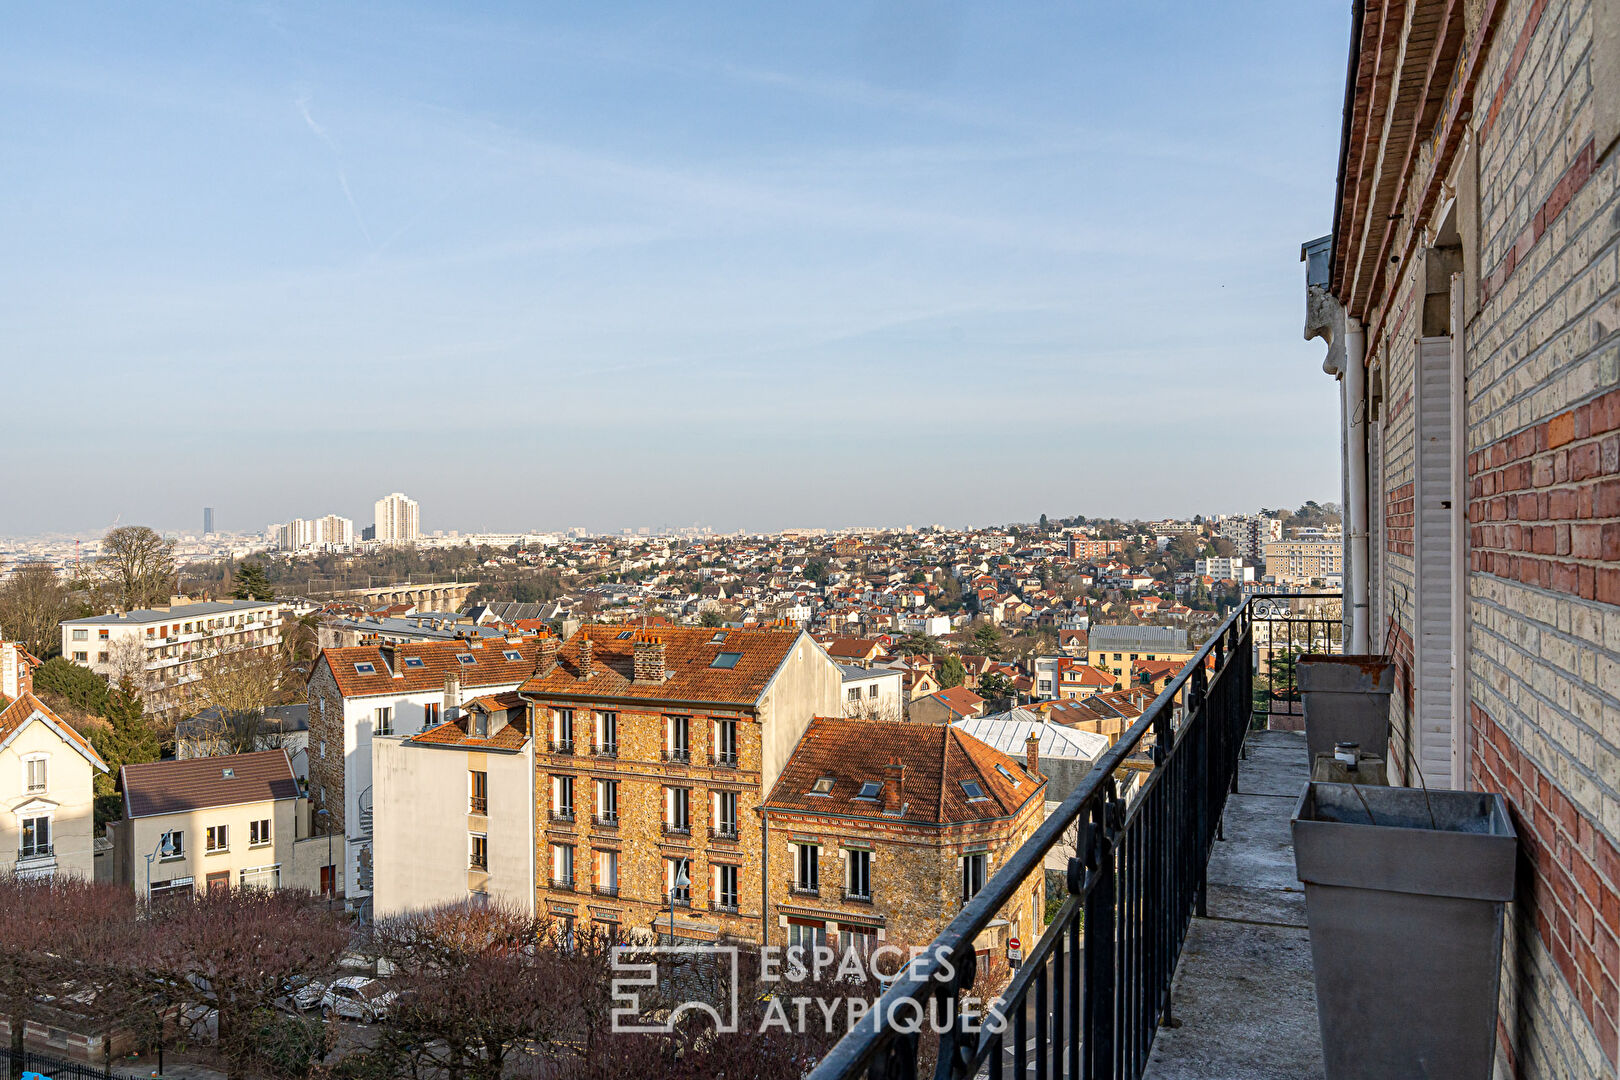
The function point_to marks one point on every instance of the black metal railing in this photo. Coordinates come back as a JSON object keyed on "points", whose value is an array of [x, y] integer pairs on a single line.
{"points": [[606, 821], [723, 832], [566, 883], [605, 750], [561, 746], [672, 829], [1286, 627], [54, 1067], [723, 759], [681, 755], [565, 816], [1094, 989]]}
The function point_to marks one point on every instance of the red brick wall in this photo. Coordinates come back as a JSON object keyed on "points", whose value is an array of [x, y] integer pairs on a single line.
{"points": [[1569, 876], [1544, 505], [1399, 506]]}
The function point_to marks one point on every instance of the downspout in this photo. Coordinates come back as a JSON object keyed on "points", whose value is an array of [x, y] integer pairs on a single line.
{"points": [[1355, 405]]}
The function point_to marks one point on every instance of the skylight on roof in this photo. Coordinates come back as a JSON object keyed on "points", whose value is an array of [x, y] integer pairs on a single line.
{"points": [[625, 635], [512, 654], [466, 658], [975, 793], [229, 774], [718, 638], [1011, 779], [413, 661], [822, 786], [869, 789], [726, 660], [365, 668]]}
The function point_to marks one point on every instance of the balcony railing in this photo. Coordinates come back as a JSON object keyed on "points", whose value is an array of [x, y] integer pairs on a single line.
{"points": [[478, 804], [606, 821], [680, 755], [562, 817], [723, 759], [605, 890], [679, 897], [605, 750], [564, 883], [1104, 964], [804, 888], [723, 832], [561, 746], [857, 896], [672, 829]]}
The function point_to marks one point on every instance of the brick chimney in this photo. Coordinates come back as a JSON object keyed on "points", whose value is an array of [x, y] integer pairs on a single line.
{"points": [[1032, 753], [649, 658], [16, 678], [587, 652], [894, 787], [547, 655], [452, 695], [391, 659]]}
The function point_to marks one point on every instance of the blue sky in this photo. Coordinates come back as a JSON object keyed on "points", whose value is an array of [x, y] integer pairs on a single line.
{"points": [[751, 265]]}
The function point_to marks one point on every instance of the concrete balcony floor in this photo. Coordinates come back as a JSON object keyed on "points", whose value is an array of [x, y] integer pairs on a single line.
{"points": [[1243, 993]]}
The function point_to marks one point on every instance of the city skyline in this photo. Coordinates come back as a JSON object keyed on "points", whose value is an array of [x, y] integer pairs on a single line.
{"points": [[656, 264]]}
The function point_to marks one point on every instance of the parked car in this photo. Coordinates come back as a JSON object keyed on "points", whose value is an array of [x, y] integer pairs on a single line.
{"points": [[304, 993], [355, 997]]}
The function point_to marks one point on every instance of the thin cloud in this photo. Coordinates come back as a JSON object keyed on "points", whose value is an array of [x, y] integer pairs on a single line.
{"points": [[337, 160]]}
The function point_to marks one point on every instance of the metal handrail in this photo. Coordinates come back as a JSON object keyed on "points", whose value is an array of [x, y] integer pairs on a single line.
{"points": [[1201, 749]]}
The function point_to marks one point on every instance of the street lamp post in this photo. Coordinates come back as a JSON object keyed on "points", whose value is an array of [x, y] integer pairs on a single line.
{"points": [[681, 882], [165, 848]]}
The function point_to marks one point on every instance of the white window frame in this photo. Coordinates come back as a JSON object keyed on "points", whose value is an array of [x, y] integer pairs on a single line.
{"points": [[50, 833], [264, 834], [222, 832], [43, 761]]}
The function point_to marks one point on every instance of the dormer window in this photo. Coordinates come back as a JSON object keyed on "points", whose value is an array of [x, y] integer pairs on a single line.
{"points": [[480, 724], [366, 668], [822, 786], [869, 789], [466, 658]]}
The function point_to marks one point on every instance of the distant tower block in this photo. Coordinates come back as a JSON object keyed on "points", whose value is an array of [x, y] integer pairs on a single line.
{"points": [[208, 521]]}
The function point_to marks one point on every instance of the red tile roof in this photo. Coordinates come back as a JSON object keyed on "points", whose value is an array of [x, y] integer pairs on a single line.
{"points": [[177, 787], [959, 699], [937, 758], [490, 666], [508, 725], [689, 656], [19, 712]]}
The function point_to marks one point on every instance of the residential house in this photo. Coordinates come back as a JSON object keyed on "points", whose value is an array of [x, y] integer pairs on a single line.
{"points": [[215, 823], [873, 693], [880, 832], [946, 706], [653, 752], [47, 785]]}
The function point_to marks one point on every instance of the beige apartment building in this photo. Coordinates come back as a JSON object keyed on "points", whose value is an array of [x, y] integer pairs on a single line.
{"points": [[170, 647], [1304, 562], [229, 822]]}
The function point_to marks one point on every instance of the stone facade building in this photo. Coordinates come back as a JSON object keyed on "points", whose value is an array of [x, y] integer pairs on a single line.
{"points": [[653, 753], [881, 832], [1468, 294]]}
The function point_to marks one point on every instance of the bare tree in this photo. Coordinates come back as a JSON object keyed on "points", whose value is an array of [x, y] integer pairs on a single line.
{"points": [[236, 951], [33, 603], [243, 679], [136, 568], [127, 656], [475, 982]]}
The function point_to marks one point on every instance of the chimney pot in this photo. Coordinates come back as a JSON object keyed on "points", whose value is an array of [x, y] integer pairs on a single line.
{"points": [[649, 663], [452, 695]]}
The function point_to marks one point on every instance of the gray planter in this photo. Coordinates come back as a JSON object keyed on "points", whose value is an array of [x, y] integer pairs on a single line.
{"points": [[1405, 920], [1346, 700]]}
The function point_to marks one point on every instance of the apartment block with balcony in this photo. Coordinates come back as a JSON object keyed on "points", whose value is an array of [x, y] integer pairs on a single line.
{"points": [[653, 753], [881, 832], [1305, 562], [356, 694], [47, 787], [171, 646]]}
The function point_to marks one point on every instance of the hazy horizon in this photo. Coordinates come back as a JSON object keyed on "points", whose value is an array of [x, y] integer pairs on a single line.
{"points": [[862, 264]]}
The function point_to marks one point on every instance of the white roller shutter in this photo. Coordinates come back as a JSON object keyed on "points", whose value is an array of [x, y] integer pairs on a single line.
{"points": [[1435, 499]]}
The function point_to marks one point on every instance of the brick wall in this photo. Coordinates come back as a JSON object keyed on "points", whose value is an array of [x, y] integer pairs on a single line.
{"points": [[1398, 517], [326, 743]]}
